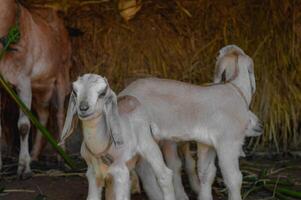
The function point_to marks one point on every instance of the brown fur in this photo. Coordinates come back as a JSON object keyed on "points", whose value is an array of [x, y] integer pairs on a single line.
{"points": [[127, 104], [42, 55]]}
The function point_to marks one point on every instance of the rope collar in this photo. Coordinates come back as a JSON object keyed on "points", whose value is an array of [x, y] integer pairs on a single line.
{"points": [[105, 157], [240, 93]]}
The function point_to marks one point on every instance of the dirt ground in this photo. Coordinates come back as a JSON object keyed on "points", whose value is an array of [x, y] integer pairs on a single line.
{"points": [[57, 185]]}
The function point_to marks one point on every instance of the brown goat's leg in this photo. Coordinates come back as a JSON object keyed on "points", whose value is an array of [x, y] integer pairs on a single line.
{"points": [[0, 137], [61, 89], [43, 113], [25, 93]]}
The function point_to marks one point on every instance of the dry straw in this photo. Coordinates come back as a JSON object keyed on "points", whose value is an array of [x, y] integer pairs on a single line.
{"points": [[180, 40]]}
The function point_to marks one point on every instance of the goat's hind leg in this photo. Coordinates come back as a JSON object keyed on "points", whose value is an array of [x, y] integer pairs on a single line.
{"points": [[25, 93], [42, 109], [61, 90], [228, 156]]}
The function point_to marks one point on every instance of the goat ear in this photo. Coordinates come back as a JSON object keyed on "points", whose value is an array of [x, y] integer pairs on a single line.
{"points": [[71, 119], [227, 62], [252, 76], [220, 71], [112, 117]]}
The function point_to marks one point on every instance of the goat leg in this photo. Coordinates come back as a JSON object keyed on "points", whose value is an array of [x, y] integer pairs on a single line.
{"points": [[228, 157], [206, 171], [25, 93], [151, 152], [174, 162], [0, 136], [121, 177]]}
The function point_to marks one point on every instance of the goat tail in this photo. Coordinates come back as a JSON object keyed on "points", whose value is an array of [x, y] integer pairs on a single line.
{"points": [[255, 127], [227, 62]]}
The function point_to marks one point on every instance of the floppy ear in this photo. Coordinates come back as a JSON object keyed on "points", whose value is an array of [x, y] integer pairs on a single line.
{"points": [[226, 68], [71, 119], [112, 117], [220, 71], [252, 76], [227, 63]]}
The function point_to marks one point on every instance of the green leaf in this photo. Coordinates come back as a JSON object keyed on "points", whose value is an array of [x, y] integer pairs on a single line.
{"points": [[13, 37], [35, 121]]}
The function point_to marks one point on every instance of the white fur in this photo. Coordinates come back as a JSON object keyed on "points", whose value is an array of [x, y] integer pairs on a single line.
{"points": [[130, 129], [216, 116]]}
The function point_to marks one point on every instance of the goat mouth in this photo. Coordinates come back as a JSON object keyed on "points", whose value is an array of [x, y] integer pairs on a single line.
{"points": [[85, 116], [88, 116]]}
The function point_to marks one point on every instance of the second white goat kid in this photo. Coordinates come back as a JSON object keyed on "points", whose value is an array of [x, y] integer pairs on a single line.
{"points": [[114, 135], [215, 116]]}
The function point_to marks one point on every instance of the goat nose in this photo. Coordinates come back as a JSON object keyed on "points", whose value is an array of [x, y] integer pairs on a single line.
{"points": [[83, 106]]}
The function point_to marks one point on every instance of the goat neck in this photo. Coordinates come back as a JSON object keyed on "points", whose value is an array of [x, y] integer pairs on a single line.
{"points": [[96, 135]]}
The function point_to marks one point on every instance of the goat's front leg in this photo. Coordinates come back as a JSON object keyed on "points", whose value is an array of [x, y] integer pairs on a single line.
{"points": [[25, 93], [228, 157], [94, 185], [206, 171], [94, 191], [121, 177], [174, 162], [190, 168], [151, 152], [149, 180]]}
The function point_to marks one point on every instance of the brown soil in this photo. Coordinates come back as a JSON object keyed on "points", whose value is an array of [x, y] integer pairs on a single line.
{"points": [[75, 187]]}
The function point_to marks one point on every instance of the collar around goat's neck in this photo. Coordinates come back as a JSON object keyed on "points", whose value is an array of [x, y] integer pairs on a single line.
{"points": [[240, 92], [105, 156]]}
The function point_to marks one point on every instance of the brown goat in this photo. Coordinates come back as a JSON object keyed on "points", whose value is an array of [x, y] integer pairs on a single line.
{"points": [[38, 66]]}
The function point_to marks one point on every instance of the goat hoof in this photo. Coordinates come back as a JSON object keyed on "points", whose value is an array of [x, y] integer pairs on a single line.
{"points": [[25, 175], [23, 130]]}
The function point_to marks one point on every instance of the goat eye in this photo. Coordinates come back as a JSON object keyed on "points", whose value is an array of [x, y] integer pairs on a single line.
{"points": [[101, 94]]}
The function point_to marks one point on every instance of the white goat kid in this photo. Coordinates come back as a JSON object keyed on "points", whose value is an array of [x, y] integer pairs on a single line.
{"points": [[223, 74], [216, 116], [174, 162], [114, 135]]}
